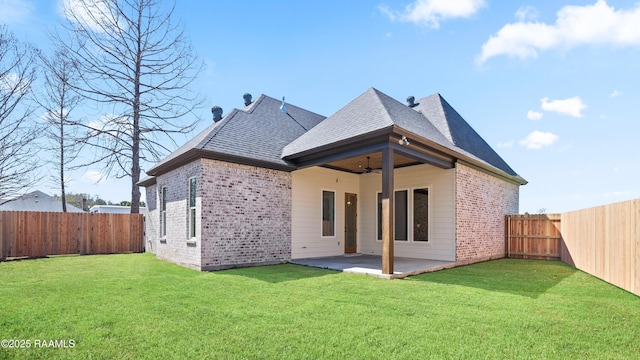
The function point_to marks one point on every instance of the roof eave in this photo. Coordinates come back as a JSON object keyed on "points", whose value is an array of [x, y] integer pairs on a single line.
{"points": [[355, 139], [465, 158], [194, 154], [147, 181], [394, 129]]}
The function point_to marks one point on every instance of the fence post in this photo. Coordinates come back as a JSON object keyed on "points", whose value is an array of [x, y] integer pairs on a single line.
{"points": [[3, 242], [24, 234], [508, 236]]}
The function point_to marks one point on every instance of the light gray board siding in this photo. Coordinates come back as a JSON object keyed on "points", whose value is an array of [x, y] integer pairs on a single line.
{"points": [[306, 215], [441, 184]]}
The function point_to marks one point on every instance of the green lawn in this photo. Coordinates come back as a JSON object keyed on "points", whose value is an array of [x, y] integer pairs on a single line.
{"points": [[135, 306]]}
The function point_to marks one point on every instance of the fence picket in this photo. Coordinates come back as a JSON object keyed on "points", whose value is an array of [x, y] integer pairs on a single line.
{"points": [[37, 234], [603, 241]]}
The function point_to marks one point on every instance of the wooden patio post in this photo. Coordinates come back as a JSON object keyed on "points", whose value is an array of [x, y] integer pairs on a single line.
{"points": [[387, 211]]}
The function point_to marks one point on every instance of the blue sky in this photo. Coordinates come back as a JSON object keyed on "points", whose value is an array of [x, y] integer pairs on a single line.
{"points": [[552, 86]]}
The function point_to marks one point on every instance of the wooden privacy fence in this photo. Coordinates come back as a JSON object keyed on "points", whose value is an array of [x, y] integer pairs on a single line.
{"points": [[39, 234], [603, 241], [533, 236]]}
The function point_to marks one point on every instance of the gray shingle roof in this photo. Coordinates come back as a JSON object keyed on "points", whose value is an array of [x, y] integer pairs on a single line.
{"points": [[262, 132], [433, 119], [36, 201], [458, 132], [258, 132]]}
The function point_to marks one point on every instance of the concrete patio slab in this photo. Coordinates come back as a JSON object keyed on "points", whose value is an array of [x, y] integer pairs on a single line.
{"points": [[372, 265]]}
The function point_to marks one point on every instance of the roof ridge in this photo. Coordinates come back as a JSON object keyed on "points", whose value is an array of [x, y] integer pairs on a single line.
{"points": [[207, 139], [254, 104], [387, 112], [444, 122], [293, 105]]}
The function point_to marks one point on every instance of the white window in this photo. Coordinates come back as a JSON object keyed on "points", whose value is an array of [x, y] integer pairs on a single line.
{"points": [[163, 211], [400, 216], [409, 213], [192, 207], [421, 214], [328, 213]]}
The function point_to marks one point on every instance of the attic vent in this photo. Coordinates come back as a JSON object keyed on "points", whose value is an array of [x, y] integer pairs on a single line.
{"points": [[217, 113], [247, 99], [411, 102]]}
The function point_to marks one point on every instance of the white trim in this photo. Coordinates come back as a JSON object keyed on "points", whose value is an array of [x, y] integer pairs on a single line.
{"points": [[191, 208], [429, 215], [406, 212], [335, 200], [344, 215], [410, 215], [163, 212]]}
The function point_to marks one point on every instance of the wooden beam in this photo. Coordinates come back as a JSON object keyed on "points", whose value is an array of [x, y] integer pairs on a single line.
{"points": [[424, 156], [387, 211], [352, 150]]}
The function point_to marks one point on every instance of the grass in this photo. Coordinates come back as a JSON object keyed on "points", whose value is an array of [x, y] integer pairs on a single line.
{"points": [[135, 306]]}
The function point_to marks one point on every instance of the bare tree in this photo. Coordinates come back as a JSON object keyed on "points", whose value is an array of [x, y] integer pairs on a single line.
{"points": [[17, 130], [58, 101], [135, 61]]}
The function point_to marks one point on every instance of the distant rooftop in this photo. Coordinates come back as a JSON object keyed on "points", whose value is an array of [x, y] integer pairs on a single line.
{"points": [[36, 201]]}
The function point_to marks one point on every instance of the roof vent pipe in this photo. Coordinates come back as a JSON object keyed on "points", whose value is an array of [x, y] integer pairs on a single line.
{"points": [[217, 113], [247, 99], [411, 102]]}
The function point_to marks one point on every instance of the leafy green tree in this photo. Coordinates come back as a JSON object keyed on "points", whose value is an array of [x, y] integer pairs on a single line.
{"points": [[77, 200]]}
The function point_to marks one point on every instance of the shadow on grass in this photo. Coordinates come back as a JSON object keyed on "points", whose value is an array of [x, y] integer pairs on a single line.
{"points": [[279, 273], [530, 278]]}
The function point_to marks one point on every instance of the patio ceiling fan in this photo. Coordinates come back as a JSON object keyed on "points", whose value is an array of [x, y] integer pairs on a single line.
{"points": [[368, 169]]}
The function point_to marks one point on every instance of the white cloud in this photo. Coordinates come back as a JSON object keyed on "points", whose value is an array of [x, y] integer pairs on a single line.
{"points": [[615, 93], [597, 24], [95, 15], [565, 148], [15, 11], [52, 115], [534, 115], [431, 12], [572, 106], [527, 13], [93, 176], [617, 194], [506, 144], [538, 139], [109, 123], [12, 83]]}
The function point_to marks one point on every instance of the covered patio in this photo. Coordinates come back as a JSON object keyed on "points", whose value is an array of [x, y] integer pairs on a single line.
{"points": [[424, 150], [388, 136], [372, 265]]}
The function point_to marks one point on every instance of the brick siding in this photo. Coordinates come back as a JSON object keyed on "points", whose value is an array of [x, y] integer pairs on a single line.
{"points": [[482, 201], [176, 247], [151, 220], [246, 215], [243, 216]]}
